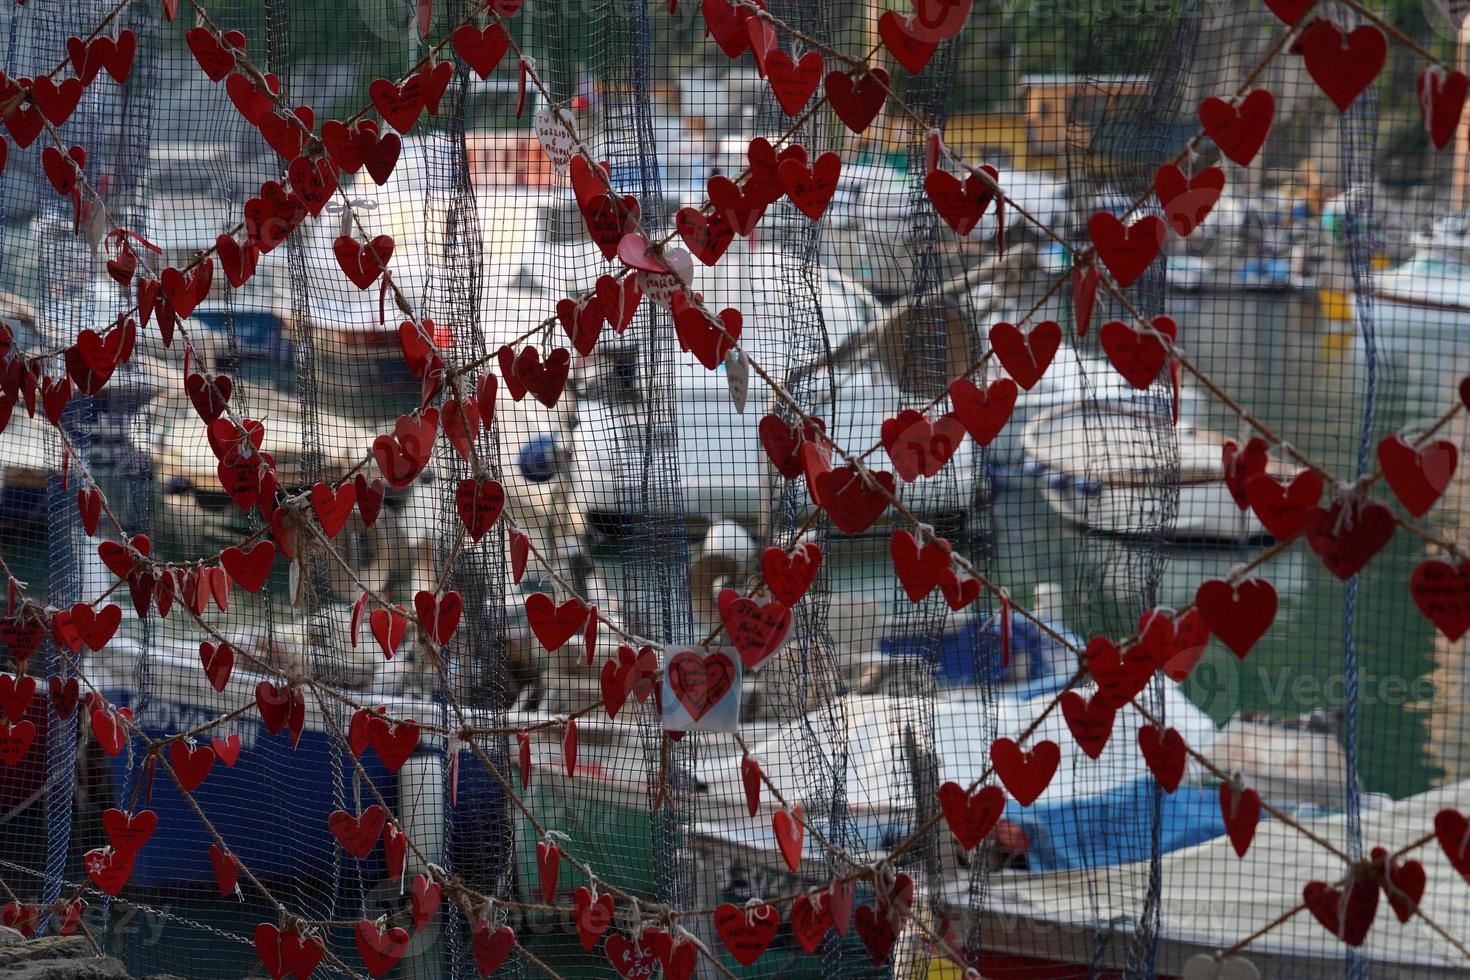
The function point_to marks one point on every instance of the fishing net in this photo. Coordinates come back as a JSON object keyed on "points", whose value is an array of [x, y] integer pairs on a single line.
{"points": [[578, 489]]}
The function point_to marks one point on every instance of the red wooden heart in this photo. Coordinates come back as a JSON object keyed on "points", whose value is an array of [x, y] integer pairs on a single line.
{"points": [[249, 569], [400, 106], [333, 506], [1238, 614], [783, 442], [789, 574], [1138, 355], [190, 765], [858, 103], [756, 629], [1403, 884], [959, 590], [709, 340], [1441, 590], [96, 626], [544, 379], [481, 49], [208, 394], [1283, 510], [582, 322], [793, 83], [55, 393], [439, 615], [227, 750], [520, 551], [348, 146], [64, 695], [1290, 11], [971, 816], [272, 216], [919, 447], [15, 741], [629, 959], [1164, 754], [1241, 465], [811, 917], [281, 708], [811, 189], [226, 870], [619, 301], [402, 456], [592, 914], [108, 869], [700, 682], [1453, 832], [213, 56], [1346, 913], [381, 156], [764, 182], [1026, 356], [852, 504], [253, 100], [553, 624], [1346, 543], [750, 780], [1084, 296], [789, 829], [1341, 66], [16, 694], [1187, 201], [877, 934], [747, 931], [427, 896], [314, 179], [919, 569], [479, 504], [358, 835], [741, 209], [726, 24], [983, 412], [91, 361], [388, 627], [610, 683], [395, 743], [1090, 721], [490, 947], [287, 133], [1442, 100], [1241, 811], [1119, 676], [1239, 130], [902, 39], [1025, 775], [63, 169], [56, 102], [1126, 251], [369, 498], [380, 949], [268, 948], [362, 264], [1417, 476], [961, 203], [236, 260], [129, 831], [548, 867]]}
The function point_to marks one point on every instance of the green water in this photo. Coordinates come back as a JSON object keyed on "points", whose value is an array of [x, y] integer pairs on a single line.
{"points": [[1309, 384]]}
